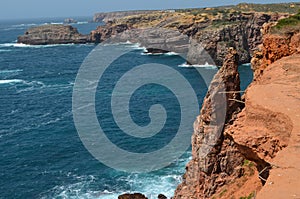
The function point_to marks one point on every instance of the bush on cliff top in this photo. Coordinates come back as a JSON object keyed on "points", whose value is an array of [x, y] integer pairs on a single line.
{"points": [[290, 23]]}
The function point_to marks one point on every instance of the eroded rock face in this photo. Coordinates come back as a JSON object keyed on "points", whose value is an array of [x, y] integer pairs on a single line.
{"points": [[206, 174], [243, 32], [273, 48], [53, 34]]}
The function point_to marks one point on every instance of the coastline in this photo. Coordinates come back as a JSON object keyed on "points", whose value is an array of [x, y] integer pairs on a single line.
{"points": [[257, 154]]}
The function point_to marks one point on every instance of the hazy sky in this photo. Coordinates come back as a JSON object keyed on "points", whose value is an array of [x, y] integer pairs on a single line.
{"points": [[17, 9]]}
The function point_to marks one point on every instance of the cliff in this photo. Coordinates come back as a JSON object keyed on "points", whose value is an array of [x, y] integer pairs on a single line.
{"points": [[53, 34], [216, 29], [257, 153], [111, 16]]}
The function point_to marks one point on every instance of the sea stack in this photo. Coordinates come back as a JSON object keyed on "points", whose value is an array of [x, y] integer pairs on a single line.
{"points": [[206, 174]]}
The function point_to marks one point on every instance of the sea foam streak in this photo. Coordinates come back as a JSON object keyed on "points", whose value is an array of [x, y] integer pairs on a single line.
{"points": [[156, 54], [11, 71], [20, 45], [11, 81], [206, 65]]}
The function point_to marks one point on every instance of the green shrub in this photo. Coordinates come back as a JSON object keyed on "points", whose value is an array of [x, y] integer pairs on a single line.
{"points": [[291, 21]]}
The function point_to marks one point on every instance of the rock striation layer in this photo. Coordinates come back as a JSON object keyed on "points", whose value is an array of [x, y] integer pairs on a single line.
{"points": [[53, 34]]}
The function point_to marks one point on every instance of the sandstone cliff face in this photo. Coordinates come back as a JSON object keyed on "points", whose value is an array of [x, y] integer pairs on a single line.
{"points": [[274, 47], [53, 34], [257, 154], [206, 174]]}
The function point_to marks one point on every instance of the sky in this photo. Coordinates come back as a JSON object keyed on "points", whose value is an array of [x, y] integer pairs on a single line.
{"points": [[23, 9]]}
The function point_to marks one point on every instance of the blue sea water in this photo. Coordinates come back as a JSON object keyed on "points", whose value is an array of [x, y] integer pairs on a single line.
{"points": [[41, 154]]}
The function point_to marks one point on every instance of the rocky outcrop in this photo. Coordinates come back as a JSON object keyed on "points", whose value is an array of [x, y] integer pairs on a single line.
{"points": [[132, 196], [53, 34], [69, 20], [216, 161]]}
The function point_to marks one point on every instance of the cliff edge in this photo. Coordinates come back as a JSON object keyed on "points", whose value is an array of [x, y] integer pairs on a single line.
{"points": [[257, 155]]}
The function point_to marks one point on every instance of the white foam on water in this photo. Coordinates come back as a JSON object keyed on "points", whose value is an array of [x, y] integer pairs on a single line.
{"points": [[156, 54], [149, 184], [246, 65], [24, 25], [11, 71], [171, 53], [82, 22], [206, 65], [21, 45], [11, 81]]}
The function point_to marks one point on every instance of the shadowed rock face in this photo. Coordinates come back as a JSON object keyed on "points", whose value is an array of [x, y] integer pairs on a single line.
{"points": [[241, 31], [53, 34]]}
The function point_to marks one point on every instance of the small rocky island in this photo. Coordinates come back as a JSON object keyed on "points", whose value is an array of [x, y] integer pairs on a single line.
{"points": [[53, 34]]}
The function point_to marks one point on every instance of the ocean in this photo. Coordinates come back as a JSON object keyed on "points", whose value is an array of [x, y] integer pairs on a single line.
{"points": [[42, 155]]}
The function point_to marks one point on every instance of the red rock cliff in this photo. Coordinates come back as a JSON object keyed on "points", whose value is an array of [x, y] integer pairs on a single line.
{"points": [[257, 154]]}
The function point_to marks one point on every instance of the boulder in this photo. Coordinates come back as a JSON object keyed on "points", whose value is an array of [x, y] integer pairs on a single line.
{"points": [[132, 196]]}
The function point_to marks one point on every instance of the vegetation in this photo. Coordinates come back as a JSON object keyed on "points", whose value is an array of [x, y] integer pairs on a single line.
{"points": [[248, 163], [250, 196], [288, 24], [223, 192], [281, 7]]}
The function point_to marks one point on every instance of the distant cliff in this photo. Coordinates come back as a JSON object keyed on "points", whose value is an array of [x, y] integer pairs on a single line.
{"points": [[111, 16], [216, 29]]}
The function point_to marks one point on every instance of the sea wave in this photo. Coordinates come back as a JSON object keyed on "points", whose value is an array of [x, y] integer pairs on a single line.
{"points": [[1, 50], [11, 81], [10, 71], [206, 65], [157, 54], [149, 184], [24, 25], [246, 65], [21, 45], [82, 22], [23, 82]]}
